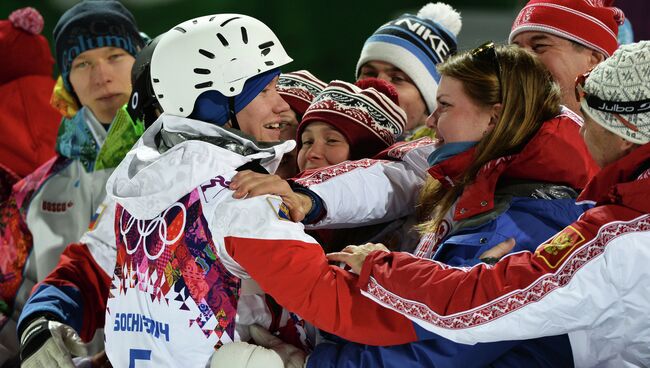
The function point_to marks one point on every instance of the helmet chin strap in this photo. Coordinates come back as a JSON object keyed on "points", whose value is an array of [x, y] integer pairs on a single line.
{"points": [[231, 112]]}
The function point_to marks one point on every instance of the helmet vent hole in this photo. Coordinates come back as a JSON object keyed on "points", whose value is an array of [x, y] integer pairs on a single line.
{"points": [[266, 45], [201, 71], [266, 52], [206, 53], [269, 63], [203, 85], [244, 35], [194, 21], [232, 89], [180, 29], [156, 80], [160, 96], [228, 21], [211, 19], [180, 109], [222, 39]]}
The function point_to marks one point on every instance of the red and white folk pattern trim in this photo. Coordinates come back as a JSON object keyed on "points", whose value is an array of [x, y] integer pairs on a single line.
{"points": [[323, 175], [399, 150], [431, 242], [518, 299]]}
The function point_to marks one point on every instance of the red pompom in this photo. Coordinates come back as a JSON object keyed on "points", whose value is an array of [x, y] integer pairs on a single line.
{"points": [[380, 85], [27, 19]]}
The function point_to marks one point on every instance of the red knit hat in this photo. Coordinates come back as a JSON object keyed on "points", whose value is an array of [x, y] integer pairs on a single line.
{"points": [[370, 119], [299, 89], [591, 23], [28, 124], [24, 50]]}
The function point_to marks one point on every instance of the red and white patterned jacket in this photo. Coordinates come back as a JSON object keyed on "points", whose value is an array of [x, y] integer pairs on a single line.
{"points": [[591, 280]]}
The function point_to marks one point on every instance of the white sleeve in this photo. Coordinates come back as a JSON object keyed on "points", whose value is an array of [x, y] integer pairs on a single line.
{"points": [[369, 191], [599, 296]]}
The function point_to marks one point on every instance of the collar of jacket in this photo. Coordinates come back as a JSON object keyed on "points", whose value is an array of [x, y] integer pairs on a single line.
{"points": [[75, 140], [625, 182], [555, 154]]}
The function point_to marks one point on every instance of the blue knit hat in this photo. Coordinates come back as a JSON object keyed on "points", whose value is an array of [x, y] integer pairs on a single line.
{"points": [[416, 44], [93, 24], [213, 107]]}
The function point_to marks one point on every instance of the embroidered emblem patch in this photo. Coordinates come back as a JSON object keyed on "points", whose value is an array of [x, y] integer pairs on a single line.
{"points": [[554, 252], [281, 210]]}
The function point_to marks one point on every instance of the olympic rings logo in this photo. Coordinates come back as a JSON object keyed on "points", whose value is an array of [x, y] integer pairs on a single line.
{"points": [[148, 227]]}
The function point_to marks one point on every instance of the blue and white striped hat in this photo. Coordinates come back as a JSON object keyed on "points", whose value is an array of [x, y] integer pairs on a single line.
{"points": [[416, 44]]}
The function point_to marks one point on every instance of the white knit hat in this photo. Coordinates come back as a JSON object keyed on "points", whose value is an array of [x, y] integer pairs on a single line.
{"points": [[416, 44], [620, 87]]}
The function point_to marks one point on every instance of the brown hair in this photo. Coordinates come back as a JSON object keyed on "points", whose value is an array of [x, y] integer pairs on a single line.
{"points": [[529, 97]]}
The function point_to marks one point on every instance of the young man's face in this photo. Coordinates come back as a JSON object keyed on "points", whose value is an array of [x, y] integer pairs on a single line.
{"points": [[101, 78], [565, 61], [261, 118], [410, 99]]}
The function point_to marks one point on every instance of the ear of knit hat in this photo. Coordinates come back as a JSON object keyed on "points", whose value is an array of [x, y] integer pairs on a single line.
{"points": [[299, 89], [26, 51], [591, 23], [369, 120], [416, 44], [93, 24], [621, 84]]}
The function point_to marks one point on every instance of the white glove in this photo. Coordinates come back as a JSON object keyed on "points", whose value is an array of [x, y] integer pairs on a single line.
{"points": [[244, 355], [47, 343]]}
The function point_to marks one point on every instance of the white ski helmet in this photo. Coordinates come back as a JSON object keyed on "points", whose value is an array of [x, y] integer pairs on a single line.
{"points": [[216, 52]]}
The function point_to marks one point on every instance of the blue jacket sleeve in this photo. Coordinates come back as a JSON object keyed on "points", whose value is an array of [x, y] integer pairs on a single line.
{"points": [[63, 303], [74, 293]]}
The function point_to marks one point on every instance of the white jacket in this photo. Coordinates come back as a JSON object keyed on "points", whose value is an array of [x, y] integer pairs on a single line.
{"points": [[176, 293]]}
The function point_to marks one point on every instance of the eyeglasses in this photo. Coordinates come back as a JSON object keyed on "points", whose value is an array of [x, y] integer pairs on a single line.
{"points": [[487, 53], [602, 105]]}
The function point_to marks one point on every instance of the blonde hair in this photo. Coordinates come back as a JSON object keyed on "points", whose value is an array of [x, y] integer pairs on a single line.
{"points": [[528, 96]]}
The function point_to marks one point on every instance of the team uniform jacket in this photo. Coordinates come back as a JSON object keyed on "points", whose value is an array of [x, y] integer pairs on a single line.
{"points": [[66, 190], [530, 220], [75, 291], [55, 203], [175, 294], [590, 280]]}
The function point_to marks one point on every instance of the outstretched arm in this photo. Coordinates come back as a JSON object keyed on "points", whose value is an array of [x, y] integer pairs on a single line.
{"points": [[366, 191], [291, 266], [525, 295]]}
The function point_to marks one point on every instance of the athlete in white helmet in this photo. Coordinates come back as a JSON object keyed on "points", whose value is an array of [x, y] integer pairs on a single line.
{"points": [[176, 295]]}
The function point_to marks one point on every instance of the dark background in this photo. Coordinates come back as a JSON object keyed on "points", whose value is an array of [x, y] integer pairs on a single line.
{"points": [[322, 36]]}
